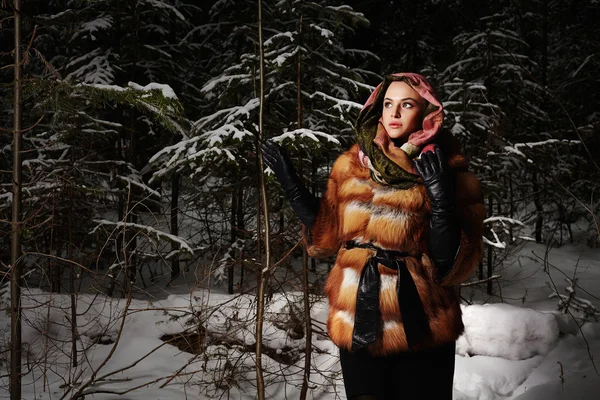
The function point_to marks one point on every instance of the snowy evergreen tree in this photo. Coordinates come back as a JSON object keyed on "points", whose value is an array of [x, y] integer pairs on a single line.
{"points": [[94, 136], [311, 94], [569, 35]]}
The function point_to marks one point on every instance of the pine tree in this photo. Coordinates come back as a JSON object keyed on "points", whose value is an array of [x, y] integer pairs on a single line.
{"points": [[84, 144], [301, 36]]}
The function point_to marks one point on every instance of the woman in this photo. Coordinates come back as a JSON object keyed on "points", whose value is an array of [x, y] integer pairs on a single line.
{"points": [[405, 218]]}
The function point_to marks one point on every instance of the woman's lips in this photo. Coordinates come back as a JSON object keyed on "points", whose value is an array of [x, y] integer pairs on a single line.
{"points": [[395, 125]]}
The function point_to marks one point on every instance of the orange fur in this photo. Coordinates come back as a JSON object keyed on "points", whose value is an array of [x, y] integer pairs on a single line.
{"points": [[358, 188], [356, 208], [354, 220], [339, 330], [388, 298], [354, 258], [393, 340]]}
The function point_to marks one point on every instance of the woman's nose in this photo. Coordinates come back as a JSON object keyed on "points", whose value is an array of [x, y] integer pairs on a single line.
{"points": [[396, 112]]}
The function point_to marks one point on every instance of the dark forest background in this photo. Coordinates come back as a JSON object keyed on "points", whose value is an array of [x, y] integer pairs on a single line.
{"points": [[141, 178], [128, 182]]}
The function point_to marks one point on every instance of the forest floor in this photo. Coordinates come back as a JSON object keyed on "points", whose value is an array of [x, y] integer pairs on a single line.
{"points": [[198, 343]]}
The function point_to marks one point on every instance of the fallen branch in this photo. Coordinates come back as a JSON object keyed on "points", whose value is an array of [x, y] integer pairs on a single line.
{"points": [[473, 283]]}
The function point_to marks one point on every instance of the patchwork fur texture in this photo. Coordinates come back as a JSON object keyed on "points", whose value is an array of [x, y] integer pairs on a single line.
{"points": [[356, 208]]}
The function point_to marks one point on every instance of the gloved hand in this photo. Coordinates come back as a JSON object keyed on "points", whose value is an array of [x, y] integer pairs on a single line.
{"points": [[440, 182], [304, 204]]}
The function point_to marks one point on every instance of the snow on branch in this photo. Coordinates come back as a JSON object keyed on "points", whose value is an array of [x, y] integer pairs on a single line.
{"points": [[508, 35], [288, 35], [197, 149], [503, 220], [588, 58], [166, 90], [100, 121], [101, 23], [95, 68], [229, 114], [348, 105], [498, 244], [359, 84], [159, 100], [302, 133], [171, 122], [326, 33], [175, 150], [530, 145], [151, 232], [140, 185], [226, 78], [228, 130], [163, 5], [6, 198], [283, 57], [569, 300]]}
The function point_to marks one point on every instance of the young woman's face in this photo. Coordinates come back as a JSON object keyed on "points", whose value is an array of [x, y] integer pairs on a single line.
{"points": [[402, 110]]}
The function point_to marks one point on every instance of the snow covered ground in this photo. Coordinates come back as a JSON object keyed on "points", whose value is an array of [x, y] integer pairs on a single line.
{"points": [[518, 347]]}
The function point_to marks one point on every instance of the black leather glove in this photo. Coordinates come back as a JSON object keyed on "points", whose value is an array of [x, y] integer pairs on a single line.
{"points": [[304, 204], [439, 181]]}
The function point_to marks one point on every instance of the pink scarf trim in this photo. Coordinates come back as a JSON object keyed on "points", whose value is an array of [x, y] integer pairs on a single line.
{"points": [[431, 123]]}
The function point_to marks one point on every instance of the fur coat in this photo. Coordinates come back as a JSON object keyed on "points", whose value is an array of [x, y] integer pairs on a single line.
{"points": [[356, 208]]}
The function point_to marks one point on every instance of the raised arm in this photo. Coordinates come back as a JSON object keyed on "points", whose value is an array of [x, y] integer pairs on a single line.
{"points": [[304, 203]]}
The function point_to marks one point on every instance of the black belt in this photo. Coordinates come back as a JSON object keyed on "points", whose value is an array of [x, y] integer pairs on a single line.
{"points": [[367, 321]]}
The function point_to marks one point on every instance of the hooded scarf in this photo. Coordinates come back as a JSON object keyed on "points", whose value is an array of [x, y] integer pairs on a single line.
{"points": [[389, 164]]}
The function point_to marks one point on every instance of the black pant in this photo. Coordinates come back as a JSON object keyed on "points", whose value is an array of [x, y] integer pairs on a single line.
{"points": [[425, 374]]}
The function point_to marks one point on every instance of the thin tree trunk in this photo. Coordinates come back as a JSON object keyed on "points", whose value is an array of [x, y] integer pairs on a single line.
{"points": [[539, 209], [280, 243], [133, 159], [313, 178], [559, 222], [544, 43], [50, 272], [262, 274], [490, 266], [230, 271], [241, 226], [305, 282], [51, 246], [54, 270], [15, 248], [174, 224], [120, 156], [119, 242], [512, 208], [57, 277], [72, 284], [308, 322]]}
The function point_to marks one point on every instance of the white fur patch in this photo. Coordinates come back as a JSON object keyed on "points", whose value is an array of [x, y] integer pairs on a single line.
{"points": [[382, 191], [355, 185], [390, 213], [345, 316], [387, 325], [360, 182], [351, 278], [381, 246], [388, 282], [377, 212], [358, 207]]}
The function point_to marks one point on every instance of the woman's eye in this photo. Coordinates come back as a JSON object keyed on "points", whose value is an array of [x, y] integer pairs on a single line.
{"points": [[407, 105], [387, 104]]}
